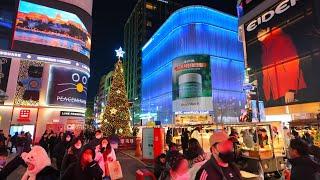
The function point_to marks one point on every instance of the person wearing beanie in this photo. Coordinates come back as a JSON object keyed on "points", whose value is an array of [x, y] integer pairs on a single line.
{"points": [[221, 164], [85, 168]]}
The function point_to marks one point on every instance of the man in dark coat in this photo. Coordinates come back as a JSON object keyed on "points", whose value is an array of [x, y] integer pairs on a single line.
{"points": [[85, 168], [303, 167], [220, 166]]}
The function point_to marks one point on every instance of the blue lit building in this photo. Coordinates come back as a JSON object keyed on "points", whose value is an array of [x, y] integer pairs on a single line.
{"points": [[193, 69]]}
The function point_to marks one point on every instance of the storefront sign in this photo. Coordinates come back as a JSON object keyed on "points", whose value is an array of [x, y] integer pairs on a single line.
{"points": [[191, 83], [282, 7], [24, 115], [67, 87], [74, 114]]}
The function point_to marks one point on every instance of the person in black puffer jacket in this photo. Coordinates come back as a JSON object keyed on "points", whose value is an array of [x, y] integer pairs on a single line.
{"points": [[85, 168]]}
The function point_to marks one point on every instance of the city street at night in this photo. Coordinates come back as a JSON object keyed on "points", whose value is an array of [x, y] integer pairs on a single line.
{"points": [[160, 89]]}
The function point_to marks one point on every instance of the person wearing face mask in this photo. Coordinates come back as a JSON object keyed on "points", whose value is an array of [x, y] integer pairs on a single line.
{"points": [[96, 140], [179, 167], [60, 149], [220, 166], [72, 155], [86, 168], [104, 155]]}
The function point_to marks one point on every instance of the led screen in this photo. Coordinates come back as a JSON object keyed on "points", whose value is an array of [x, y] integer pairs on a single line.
{"points": [[283, 50], [67, 87], [54, 31], [191, 82]]}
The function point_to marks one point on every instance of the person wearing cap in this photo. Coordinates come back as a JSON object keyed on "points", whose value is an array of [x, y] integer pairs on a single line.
{"points": [[220, 166]]}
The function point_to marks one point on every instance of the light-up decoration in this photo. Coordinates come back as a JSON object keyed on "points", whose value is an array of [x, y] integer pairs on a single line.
{"points": [[120, 53], [193, 30]]}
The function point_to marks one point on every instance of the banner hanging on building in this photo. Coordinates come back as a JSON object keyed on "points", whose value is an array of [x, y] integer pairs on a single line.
{"points": [[191, 83]]}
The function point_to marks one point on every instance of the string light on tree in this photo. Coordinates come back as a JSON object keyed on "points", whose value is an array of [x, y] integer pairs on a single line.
{"points": [[116, 117]]}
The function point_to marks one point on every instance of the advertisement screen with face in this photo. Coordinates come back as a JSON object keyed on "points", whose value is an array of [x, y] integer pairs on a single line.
{"points": [[67, 87], [191, 83], [283, 49], [53, 28]]}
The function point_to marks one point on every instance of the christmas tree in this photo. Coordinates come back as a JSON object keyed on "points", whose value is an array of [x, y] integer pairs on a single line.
{"points": [[116, 116]]}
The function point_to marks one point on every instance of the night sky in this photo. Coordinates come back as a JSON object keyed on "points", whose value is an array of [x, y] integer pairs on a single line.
{"points": [[107, 35], [108, 24]]}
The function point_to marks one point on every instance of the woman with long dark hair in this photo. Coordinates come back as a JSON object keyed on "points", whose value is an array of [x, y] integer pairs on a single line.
{"points": [[195, 152], [104, 155], [72, 154]]}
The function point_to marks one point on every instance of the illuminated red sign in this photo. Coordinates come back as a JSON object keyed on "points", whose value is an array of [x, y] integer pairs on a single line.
{"points": [[24, 115]]}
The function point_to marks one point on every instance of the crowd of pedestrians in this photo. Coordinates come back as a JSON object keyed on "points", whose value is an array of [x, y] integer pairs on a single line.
{"points": [[59, 156], [220, 163]]}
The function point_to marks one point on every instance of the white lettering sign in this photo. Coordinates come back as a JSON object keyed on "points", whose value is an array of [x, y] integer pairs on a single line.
{"points": [[267, 16]]}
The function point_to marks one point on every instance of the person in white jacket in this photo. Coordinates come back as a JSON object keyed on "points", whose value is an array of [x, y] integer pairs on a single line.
{"points": [[104, 155]]}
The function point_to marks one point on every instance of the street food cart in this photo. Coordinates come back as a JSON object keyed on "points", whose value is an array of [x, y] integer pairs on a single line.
{"points": [[260, 147], [312, 126]]}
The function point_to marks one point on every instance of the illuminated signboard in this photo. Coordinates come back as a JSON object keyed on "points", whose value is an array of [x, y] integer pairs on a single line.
{"points": [[24, 115], [20, 55], [74, 114], [192, 83], [52, 29], [67, 87]]}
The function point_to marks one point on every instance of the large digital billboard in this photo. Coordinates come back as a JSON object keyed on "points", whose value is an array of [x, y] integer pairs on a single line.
{"points": [[191, 83], [67, 87], [29, 83], [50, 29], [283, 51]]}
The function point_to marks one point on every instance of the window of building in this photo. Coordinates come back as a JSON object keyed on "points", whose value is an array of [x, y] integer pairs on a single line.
{"points": [[150, 6]]}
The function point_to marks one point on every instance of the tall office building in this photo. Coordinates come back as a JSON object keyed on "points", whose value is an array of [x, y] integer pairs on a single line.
{"points": [[145, 19], [102, 96]]}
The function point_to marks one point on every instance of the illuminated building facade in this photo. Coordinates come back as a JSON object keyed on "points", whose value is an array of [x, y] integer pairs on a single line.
{"points": [[145, 19], [193, 69], [44, 66]]}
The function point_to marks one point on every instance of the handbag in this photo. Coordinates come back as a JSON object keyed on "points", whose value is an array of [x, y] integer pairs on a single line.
{"points": [[115, 170]]}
